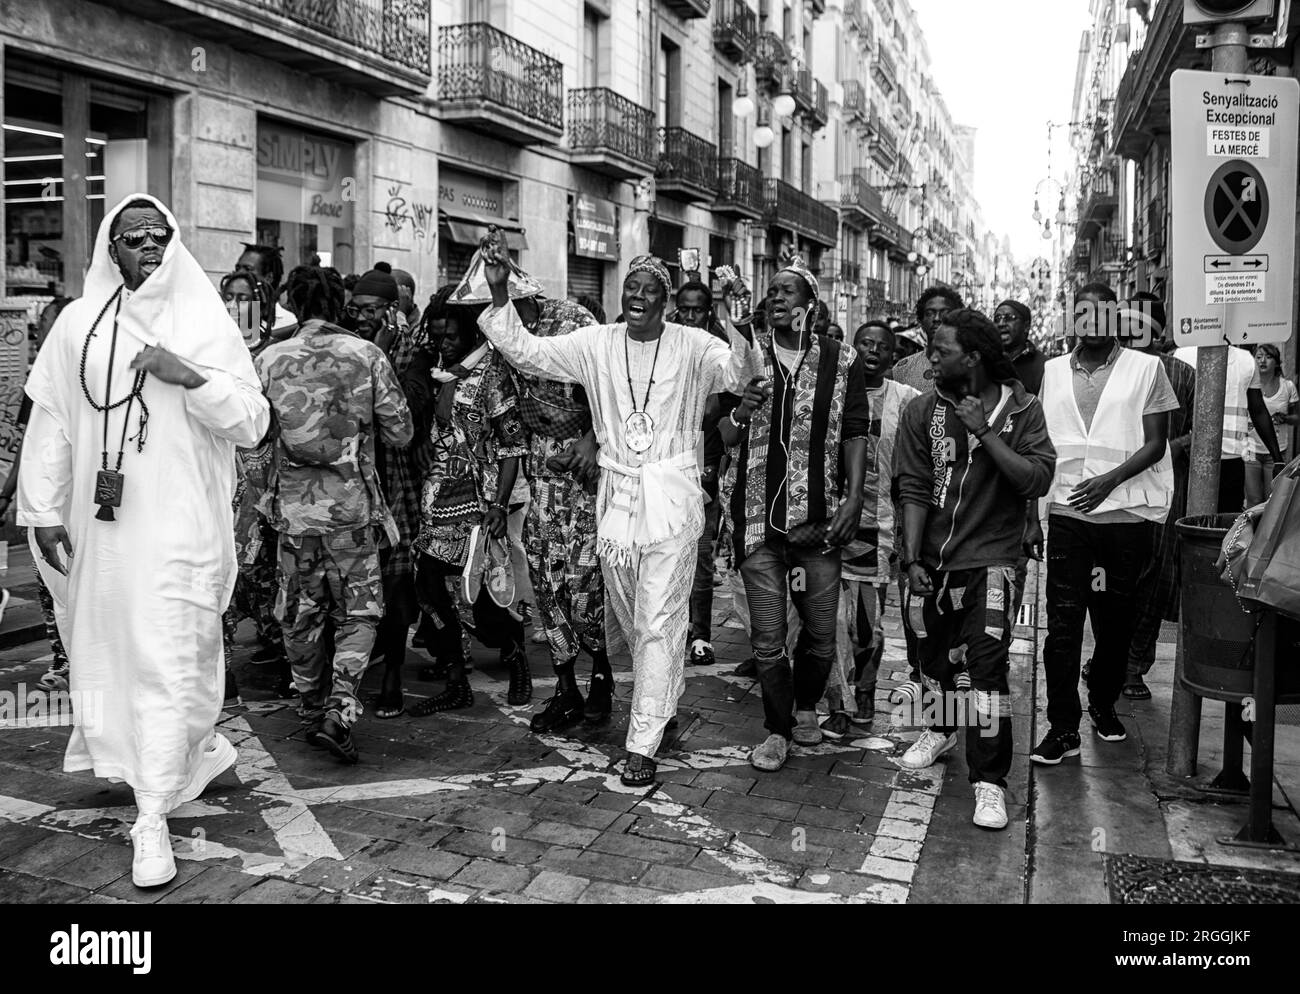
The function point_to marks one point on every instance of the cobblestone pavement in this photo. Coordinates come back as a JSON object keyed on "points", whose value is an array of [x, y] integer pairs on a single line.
{"points": [[472, 807]]}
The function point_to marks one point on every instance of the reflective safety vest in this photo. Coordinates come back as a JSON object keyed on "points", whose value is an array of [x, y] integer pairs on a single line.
{"points": [[1115, 435], [1236, 414]]}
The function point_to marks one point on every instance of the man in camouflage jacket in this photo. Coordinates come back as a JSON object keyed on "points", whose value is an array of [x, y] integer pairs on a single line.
{"points": [[332, 394]]}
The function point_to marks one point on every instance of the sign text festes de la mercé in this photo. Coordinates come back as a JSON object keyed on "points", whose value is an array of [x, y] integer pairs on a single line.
{"points": [[1233, 193]]}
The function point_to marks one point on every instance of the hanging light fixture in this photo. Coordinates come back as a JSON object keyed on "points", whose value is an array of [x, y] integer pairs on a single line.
{"points": [[763, 134], [1038, 214], [1047, 230], [1060, 209], [783, 105], [743, 105]]}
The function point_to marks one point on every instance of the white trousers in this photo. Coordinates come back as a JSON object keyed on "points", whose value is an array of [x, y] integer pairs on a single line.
{"points": [[651, 599]]}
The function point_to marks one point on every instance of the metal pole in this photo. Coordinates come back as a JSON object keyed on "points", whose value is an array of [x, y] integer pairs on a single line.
{"points": [[1207, 442]]}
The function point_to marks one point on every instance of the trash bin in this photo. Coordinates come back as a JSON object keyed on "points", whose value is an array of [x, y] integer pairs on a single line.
{"points": [[1218, 654]]}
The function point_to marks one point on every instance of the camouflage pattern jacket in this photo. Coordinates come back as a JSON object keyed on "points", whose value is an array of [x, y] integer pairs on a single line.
{"points": [[331, 394]]}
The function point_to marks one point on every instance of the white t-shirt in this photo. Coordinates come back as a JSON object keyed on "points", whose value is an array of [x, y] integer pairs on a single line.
{"points": [[1279, 403]]}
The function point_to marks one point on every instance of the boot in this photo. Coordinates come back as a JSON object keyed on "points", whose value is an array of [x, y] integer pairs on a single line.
{"points": [[521, 677]]}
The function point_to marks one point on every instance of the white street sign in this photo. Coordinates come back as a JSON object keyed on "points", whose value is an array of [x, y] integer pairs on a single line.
{"points": [[1233, 203]]}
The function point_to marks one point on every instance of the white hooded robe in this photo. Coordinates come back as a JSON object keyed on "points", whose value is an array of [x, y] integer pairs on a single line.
{"points": [[140, 610]]}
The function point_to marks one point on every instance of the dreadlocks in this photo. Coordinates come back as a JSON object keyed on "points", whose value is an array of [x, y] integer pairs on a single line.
{"points": [[272, 262], [315, 293], [265, 300]]}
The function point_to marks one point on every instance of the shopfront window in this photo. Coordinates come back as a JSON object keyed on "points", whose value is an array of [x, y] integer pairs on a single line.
{"points": [[54, 203], [306, 195]]}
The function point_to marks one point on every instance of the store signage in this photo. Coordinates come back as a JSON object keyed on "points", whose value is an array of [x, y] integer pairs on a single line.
{"points": [[593, 228], [305, 174]]}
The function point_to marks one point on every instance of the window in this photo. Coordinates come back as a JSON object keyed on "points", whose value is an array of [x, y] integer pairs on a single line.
{"points": [[806, 176], [594, 42], [787, 155], [726, 120], [670, 84], [74, 146], [303, 204]]}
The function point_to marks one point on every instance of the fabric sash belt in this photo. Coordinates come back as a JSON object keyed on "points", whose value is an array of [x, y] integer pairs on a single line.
{"points": [[646, 504]]}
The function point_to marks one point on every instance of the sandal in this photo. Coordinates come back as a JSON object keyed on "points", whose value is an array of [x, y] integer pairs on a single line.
{"points": [[456, 697], [1137, 691], [386, 708], [638, 771]]}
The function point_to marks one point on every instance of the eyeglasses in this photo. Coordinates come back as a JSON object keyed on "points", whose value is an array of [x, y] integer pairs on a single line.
{"points": [[369, 311], [135, 238]]}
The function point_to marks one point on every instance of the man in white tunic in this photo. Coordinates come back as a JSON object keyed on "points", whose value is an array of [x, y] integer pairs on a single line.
{"points": [[140, 395], [648, 382]]}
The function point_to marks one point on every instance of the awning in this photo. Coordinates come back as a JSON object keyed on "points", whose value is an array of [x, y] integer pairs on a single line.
{"points": [[466, 228]]}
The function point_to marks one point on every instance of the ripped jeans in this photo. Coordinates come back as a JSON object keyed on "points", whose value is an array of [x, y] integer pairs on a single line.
{"points": [[811, 578]]}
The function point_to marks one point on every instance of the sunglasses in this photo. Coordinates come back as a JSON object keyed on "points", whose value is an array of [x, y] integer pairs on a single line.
{"points": [[135, 238]]}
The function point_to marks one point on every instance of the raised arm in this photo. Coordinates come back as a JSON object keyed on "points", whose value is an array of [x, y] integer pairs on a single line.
{"points": [[561, 358]]}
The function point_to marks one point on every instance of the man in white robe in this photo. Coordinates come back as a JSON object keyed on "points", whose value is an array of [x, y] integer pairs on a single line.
{"points": [[140, 586], [650, 508]]}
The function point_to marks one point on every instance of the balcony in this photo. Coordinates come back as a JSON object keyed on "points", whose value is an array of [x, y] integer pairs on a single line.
{"points": [[855, 16], [801, 89], [791, 208], [861, 202], [610, 134], [884, 70], [1142, 100], [883, 146], [876, 293], [1082, 255], [379, 46], [1098, 203], [688, 166], [821, 106], [740, 190], [885, 231], [770, 62], [491, 82], [735, 29], [854, 106], [688, 9]]}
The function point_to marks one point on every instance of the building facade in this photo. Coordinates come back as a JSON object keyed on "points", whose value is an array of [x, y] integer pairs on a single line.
{"points": [[352, 131]]}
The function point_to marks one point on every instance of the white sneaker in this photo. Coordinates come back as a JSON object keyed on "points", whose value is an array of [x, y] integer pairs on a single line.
{"points": [[990, 806], [219, 757], [926, 750], [770, 755], [154, 864]]}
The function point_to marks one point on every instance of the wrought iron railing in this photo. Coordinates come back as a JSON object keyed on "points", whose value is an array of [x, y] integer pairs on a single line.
{"points": [[801, 89], [602, 120], [735, 28], [884, 67], [740, 185], [771, 61], [397, 30], [790, 207], [478, 62], [857, 191], [876, 293], [855, 100], [821, 103], [850, 272], [686, 158]]}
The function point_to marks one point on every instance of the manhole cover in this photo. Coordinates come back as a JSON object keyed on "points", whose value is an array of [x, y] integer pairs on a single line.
{"points": [[1143, 880]]}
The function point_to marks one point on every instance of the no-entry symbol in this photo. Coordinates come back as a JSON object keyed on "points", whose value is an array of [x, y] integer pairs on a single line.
{"points": [[1236, 207]]}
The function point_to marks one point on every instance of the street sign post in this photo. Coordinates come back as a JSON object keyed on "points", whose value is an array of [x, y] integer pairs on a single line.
{"points": [[1233, 154]]}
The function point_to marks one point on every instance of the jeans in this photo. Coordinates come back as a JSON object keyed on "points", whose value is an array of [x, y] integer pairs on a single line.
{"points": [[1092, 569], [812, 579], [702, 591], [972, 608]]}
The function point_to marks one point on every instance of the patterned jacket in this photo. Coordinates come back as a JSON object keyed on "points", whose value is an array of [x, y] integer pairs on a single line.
{"points": [[788, 469], [331, 394]]}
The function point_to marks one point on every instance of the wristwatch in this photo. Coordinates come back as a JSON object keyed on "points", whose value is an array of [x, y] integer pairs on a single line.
{"points": [[983, 431]]}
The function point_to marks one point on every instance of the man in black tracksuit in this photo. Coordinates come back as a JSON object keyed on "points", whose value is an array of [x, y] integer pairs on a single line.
{"points": [[968, 457]]}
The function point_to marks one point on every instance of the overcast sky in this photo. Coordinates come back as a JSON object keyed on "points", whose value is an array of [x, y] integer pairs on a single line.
{"points": [[1007, 67]]}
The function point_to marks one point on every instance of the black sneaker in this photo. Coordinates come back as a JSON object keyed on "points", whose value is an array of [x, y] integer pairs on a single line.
{"points": [[600, 700], [749, 668], [1055, 747], [561, 711], [231, 698], [1106, 723], [837, 727], [334, 735], [266, 654], [701, 654], [865, 699]]}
